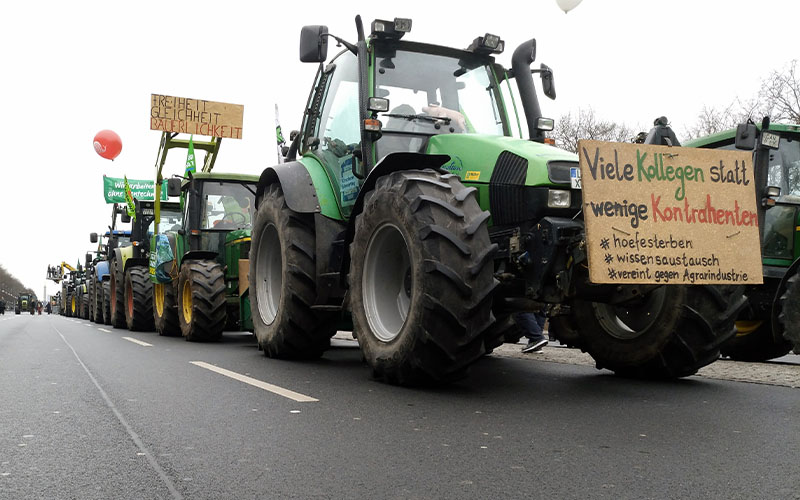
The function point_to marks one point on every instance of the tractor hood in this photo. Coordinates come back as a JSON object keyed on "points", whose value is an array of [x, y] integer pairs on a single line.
{"points": [[478, 158]]}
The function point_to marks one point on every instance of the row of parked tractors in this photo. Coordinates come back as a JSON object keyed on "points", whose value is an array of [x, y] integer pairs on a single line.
{"points": [[405, 211]]}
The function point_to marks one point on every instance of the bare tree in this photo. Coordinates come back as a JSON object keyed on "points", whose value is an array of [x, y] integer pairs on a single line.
{"points": [[781, 94], [585, 125]]}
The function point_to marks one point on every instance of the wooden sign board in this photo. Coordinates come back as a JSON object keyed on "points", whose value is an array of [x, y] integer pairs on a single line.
{"points": [[196, 116], [660, 214]]}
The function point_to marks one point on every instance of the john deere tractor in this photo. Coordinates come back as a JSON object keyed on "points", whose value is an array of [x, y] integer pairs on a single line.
{"points": [[196, 270], [769, 327], [406, 205]]}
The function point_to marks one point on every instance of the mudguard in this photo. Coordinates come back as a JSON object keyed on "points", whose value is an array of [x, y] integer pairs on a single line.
{"points": [[298, 188], [101, 270]]}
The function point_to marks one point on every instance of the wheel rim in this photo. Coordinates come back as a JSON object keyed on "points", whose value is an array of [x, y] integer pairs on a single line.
{"points": [[386, 282], [129, 293], [158, 293], [187, 302], [629, 321], [269, 274], [73, 306]]}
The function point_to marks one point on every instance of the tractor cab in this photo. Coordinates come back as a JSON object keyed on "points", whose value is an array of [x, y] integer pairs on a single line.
{"points": [[218, 210]]}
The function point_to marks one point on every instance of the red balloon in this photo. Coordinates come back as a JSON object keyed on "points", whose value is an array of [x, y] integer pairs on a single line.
{"points": [[107, 144]]}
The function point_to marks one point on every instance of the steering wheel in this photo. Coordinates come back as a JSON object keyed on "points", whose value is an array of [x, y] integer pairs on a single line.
{"points": [[230, 220]]}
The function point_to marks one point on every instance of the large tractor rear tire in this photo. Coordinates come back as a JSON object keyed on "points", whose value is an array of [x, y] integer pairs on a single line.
{"points": [[138, 299], [201, 310], [117, 295], [165, 310], [671, 332], [421, 278], [789, 315], [107, 302], [283, 282]]}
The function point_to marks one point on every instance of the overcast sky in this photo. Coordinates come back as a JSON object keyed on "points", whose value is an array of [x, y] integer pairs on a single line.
{"points": [[71, 69]]}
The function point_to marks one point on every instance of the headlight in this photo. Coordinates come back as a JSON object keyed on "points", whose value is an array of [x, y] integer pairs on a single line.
{"points": [[558, 198]]}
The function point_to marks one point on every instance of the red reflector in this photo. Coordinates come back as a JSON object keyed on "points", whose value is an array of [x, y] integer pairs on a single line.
{"points": [[195, 232]]}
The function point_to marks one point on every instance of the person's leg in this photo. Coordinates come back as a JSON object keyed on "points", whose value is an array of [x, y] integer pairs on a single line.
{"points": [[529, 325]]}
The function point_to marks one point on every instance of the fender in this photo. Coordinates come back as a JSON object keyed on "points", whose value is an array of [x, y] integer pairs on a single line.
{"points": [[393, 162], [777, 332], [298, 188], [101, 270]]}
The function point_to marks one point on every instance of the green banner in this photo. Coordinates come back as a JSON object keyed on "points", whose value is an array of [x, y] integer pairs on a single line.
{"points": [[114, 189]]}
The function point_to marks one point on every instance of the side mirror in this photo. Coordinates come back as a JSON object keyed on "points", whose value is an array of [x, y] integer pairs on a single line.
{"points": [[548, 85], [125, 218], [746, 136], [92, 237], [174, 187], [313, 44]]}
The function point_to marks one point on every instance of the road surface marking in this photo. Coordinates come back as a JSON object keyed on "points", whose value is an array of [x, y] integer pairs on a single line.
{"points": [[280, 391], [131, 339], [176, 495], [104, 330]]}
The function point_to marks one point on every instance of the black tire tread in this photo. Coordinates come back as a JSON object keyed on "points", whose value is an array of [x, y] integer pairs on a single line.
{"points": [[458, 283], [142, 318], [298, 331], [207, 282]]}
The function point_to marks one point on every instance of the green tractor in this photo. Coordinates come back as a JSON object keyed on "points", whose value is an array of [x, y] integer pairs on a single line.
{"points": [[25, 303], [198, 292], [406, 207], [769, 327]]}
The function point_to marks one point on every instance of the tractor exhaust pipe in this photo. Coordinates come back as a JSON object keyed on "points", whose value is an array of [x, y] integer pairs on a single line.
{"points": [[521, 62]]}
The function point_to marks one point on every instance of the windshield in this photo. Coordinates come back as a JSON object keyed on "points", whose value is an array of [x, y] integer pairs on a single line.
{"points": [[170, 221], [784, 166], [229, 205], [434, 94]]}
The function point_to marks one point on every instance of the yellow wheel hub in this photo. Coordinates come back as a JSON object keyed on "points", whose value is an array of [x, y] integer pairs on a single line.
{"points": [[159, 296], [745, 327], [187, 302]]}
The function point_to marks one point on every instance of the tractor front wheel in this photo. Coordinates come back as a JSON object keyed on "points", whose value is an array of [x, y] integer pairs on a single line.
{"points": [[107, 302], [283, 284], [421, 278], [117, 295], [138, 299], [671, 332], [165, 311], [201, 311]]}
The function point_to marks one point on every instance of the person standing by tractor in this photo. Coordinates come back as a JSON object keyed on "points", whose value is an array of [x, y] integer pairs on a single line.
{"points": [[532, 326]]}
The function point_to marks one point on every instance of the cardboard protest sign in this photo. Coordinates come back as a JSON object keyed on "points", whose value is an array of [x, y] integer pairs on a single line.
{"points": [[660, 214], [196, 116]]}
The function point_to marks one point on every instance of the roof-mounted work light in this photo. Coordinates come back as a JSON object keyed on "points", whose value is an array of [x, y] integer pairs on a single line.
{"points": [[487, 44], [391, 29]]}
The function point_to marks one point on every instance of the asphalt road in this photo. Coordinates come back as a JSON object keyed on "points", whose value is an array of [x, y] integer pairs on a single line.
{"points": [[90, 412]]}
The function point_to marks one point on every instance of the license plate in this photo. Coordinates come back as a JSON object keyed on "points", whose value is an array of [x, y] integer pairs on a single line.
{"points": [[770, 140], [575, 177]]}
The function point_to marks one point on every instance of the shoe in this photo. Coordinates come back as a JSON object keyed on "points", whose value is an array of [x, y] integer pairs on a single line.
{"points": [[535, 345]]}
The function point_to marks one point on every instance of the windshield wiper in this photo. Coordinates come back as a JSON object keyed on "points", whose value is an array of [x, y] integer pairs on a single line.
{"points": [[427, 118]]}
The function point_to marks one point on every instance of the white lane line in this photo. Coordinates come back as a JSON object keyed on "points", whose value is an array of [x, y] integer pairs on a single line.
{"points": [[131, 339], [280, 391], [104, 330], [134, 436]]}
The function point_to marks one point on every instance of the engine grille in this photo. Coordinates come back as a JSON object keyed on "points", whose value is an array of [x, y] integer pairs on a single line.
{"points": [[507, 189]]}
